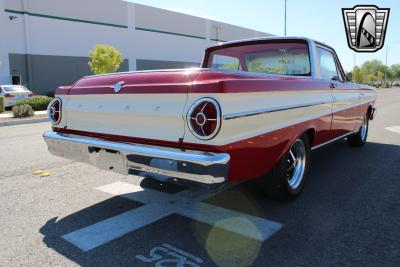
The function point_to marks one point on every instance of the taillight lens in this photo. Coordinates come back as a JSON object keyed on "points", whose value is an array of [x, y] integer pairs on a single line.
{"points": [[204, 118], [54, 110], [31, 94], [9, 96]]}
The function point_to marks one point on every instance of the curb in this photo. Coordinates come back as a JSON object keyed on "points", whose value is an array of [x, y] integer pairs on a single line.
{"points": [[24, 121]]}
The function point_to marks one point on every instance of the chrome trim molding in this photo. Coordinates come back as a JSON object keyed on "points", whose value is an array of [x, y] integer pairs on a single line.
{"points": [[333, 140], [351, 106], [269, 110], [50, 111], [161, 163]]}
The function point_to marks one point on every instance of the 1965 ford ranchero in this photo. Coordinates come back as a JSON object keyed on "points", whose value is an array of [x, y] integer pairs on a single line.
{"points": [[256, 108]]}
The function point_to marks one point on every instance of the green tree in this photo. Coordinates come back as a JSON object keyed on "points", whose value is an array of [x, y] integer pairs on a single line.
{"points": [[395, 72], [357, 75], [105, 59]]}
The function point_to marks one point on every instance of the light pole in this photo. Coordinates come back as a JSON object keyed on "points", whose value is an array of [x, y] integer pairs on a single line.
{"points": [[285, 17]]}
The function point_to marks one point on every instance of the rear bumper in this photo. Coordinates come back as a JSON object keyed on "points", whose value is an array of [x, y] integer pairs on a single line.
{"points": [[161, 163]]}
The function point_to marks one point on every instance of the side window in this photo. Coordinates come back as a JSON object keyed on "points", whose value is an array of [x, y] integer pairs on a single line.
{"points": [[226, 63], [327, 64]]}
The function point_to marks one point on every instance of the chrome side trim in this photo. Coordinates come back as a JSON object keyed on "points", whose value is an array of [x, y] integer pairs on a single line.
{"points": [[269, 110], [350, 106], [161, 163], [260, 74], [333, 140]]}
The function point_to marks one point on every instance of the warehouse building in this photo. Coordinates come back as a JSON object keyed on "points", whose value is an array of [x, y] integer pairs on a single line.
{"points": [[45, 43]]}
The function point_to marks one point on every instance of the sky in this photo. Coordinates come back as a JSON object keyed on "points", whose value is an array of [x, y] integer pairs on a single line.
{"points": [[320, 20]]}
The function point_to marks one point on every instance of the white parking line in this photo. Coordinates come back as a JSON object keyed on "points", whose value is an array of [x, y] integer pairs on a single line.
{"points": [[158, 205], [395, 129], [100, 233]]}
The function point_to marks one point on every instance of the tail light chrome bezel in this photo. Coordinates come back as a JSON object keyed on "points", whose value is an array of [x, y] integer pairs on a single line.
{"points": [[200, 119], [53, 113]]}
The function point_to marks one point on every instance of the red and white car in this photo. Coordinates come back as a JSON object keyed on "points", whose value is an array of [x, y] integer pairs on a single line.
{"points": [[256, 108], [14, 93]]}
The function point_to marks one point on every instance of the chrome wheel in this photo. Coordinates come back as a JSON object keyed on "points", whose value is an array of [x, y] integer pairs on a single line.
{"points": [[363, 130], [296, 164]]}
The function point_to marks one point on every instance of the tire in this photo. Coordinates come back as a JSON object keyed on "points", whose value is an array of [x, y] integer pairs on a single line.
{"points": [[286, 180], [359, 138]]}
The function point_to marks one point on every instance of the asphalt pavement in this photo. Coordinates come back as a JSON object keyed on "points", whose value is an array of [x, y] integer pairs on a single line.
{"points": [[55, 212]]}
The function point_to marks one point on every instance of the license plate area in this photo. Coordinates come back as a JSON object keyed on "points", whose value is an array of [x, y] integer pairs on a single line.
{"points": [[108, 159]]}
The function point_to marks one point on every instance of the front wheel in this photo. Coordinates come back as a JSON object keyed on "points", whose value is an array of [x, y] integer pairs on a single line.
{"points": [[286, 180], [360, 137]]}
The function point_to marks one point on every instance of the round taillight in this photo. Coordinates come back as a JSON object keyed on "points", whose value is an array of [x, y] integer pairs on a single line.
{"points": [[54, 110], [204, 118]]}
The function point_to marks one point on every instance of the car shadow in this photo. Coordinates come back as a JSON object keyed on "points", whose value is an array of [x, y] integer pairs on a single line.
{"points": [[336, 177]]}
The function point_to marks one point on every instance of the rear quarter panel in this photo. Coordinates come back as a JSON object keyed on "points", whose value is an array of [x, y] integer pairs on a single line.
{"points": [[255, 143]]}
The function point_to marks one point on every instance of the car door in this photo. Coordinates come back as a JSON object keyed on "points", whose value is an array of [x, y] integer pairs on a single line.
{"points": [[345, 113]]}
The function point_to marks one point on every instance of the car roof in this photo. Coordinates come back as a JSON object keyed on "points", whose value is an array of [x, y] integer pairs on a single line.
{"points": [[259, 39], [274, 38]]}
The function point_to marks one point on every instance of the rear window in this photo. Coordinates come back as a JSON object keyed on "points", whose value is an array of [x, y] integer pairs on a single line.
{"points": [[15, 88], [226, 63], [282, 58]]}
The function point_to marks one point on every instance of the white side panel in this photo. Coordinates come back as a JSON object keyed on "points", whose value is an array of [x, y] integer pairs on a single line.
{"points": [[344, 99], [135, 115], [246, 127]]}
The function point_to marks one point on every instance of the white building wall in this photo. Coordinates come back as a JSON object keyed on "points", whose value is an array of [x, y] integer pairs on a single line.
{"points": [[4, 71], [74, 27]]}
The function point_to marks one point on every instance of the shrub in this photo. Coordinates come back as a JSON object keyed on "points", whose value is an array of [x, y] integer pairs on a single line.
{"points": [[1, 104], [21, 111], [37, 102]]}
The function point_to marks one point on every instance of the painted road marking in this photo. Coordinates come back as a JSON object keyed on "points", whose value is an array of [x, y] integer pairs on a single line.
{"points": [[395, 129], [158, 205], [105, 231], [173, 254]]}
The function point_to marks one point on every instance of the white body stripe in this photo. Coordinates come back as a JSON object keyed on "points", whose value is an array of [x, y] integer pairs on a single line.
{"points": [[162, 116], [136, 115], [246, 127]]}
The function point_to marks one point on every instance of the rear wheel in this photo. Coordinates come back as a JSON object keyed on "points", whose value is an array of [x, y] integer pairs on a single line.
{"points": [[286, 179], [360, 137]]}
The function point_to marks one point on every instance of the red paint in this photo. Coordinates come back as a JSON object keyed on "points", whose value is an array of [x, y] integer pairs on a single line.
{"points": [[157, 82], [62, 90], [205, 81]]}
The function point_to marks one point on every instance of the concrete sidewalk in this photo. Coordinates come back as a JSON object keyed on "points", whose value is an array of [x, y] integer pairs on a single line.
{"points": [[7, 115], [10, 120]]}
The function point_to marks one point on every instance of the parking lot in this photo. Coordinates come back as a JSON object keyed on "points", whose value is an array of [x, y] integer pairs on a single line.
{"points": [[57, 212]]}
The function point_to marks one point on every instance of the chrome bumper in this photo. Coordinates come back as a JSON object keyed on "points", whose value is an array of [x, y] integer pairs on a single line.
{"points": [[161, 163]]}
